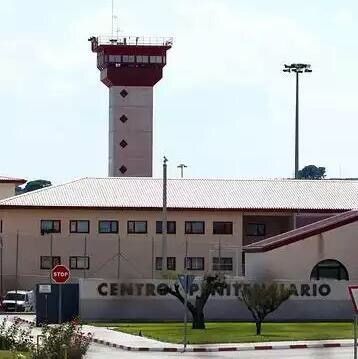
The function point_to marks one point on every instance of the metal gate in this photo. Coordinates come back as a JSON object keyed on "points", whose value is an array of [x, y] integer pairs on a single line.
{"points": [[47, 303]]}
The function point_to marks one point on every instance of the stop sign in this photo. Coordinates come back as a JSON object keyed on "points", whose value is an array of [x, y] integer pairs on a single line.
{"points": [[60, 274]]}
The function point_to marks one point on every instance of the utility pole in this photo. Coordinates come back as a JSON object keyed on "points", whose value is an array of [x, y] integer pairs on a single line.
{"points": [[165, 219], [152, 256], [17, 269], [220, 255], [182, 166], [298, 69], [119, 258], [1, 266], [85, 255]]}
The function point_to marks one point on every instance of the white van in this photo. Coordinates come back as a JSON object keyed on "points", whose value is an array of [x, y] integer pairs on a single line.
{"points": [[20, 301]]}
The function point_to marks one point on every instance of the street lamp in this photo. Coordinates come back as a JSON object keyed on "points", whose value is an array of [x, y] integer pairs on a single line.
{"points": [[182, 166], [298, 69]]}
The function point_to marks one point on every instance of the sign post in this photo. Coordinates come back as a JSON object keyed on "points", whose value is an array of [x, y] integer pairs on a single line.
{"points": [[60, 274], [353, 292], [186, 280]]}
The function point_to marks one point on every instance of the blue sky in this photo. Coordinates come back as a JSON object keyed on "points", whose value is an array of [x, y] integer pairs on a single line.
{"points": [[224, 107]]}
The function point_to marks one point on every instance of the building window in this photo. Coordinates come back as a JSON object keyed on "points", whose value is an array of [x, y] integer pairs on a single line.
{"points": [[137, 226], [50, 226], [194, 227], [108, 226], [329, 269], [48, 262], [80, 226], [79, 262], [171, 227], [222, 264], [256, 229], [222, 227], [194, 263], [171, 263]]}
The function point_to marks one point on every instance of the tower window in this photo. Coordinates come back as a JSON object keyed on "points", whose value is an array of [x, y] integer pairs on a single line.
{"points": [[142, 59], [124, 93], [123, 143], [123, 118], [123, 169]]}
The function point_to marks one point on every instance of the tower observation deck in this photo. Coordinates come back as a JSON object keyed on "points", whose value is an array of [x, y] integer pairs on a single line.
{"points": [[130, 66]]}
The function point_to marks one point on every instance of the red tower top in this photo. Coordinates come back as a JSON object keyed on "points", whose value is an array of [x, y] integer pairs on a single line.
{"points": [[130, 61]]}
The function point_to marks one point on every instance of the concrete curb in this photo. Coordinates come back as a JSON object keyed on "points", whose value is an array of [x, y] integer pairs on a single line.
{"points": [[224, 349], [239, 348]]}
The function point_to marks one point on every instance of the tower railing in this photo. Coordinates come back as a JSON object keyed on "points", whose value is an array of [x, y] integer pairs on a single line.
{"points": [[132, 40]]}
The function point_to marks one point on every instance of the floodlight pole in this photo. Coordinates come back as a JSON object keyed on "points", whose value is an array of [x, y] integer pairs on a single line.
{"points": [[298, 69], [297, 131]]}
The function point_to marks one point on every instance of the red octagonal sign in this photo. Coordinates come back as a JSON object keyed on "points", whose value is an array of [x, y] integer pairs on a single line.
{"points": [[60, 274]]}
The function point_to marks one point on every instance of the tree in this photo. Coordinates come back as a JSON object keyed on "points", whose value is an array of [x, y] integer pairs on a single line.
{"points": [[263, 299], [32, 186], [312, 172], [209, 285]]}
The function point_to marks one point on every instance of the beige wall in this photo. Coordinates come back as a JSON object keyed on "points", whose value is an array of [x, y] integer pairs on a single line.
{"points": [[137, 249], [296, 261], [7, 190]]}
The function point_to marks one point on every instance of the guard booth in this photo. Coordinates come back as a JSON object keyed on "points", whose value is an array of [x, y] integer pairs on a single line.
{"points": [[48, 300]]}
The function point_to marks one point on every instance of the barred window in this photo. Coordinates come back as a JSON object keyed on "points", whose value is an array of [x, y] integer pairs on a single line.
{"points": [[222, 264], [48, 262], [79, 262], [171, 263], [194, 263]]}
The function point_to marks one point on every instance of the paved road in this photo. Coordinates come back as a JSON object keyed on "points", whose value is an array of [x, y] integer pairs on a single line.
{"points": [[102, 352]]}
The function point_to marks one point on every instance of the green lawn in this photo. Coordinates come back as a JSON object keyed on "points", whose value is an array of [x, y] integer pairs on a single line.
{"points": [[237, 332], [4, 354]]}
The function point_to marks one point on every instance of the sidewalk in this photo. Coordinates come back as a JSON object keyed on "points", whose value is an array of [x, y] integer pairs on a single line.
{"points": [[130, 342]]}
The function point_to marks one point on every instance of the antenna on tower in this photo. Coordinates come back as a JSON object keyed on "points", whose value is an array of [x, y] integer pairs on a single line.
{"points": [[112, 18]]}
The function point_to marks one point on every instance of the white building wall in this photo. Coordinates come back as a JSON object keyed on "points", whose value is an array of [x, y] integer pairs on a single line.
{"points": [[296, 261], [137, 131]]}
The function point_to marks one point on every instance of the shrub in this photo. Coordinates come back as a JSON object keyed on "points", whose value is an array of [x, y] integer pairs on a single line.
{"points": [[14, 337], [57, 339]]}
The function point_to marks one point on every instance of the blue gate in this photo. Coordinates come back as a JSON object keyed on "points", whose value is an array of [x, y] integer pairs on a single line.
{"points": [[47, 303]]}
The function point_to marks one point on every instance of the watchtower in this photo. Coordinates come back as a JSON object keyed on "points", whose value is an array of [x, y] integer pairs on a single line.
{"points": [[130, 67]]}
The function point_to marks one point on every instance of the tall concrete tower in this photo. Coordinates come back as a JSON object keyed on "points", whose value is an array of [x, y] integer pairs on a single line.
{"points": [[130, 67]]}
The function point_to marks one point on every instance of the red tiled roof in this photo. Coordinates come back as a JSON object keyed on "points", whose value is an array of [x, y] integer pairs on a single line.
{"points": [[302, 233], [12, 180]]}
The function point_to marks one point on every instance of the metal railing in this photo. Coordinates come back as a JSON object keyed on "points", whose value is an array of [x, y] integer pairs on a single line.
{"points": [[132, 40]]}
